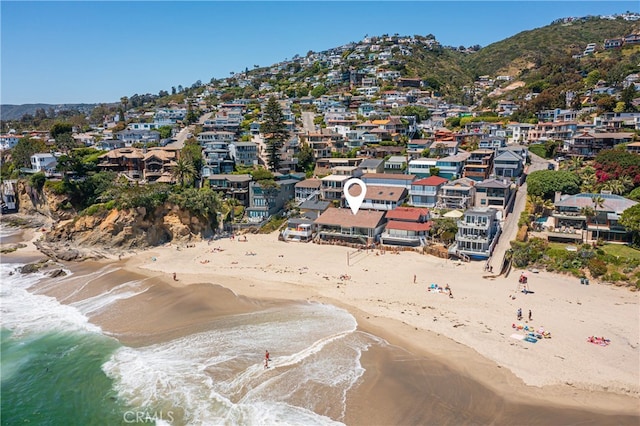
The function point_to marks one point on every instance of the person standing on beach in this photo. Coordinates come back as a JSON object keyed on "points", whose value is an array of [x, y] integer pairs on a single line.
{"points": [[529, 314], [519, 314], [266, 359], [414, 278], [175, 277]]}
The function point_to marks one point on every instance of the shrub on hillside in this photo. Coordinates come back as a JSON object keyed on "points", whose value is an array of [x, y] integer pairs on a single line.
{"points": [[522, 233], [597, 267]]}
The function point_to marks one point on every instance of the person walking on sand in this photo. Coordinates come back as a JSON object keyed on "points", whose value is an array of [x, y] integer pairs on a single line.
{"points": [[519, 314], [174, 277], [529, 314], [266, 359], [414, 278]]}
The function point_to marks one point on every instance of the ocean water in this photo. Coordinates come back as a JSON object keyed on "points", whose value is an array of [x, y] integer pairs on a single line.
{"points": [[58, 367]]}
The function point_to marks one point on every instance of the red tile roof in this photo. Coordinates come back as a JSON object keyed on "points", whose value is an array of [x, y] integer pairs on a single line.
{"points": [[431, 181], [407, 213], [408, 226]]}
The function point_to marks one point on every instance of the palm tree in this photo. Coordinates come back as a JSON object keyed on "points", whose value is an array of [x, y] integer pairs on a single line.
{"points": [[615, 186], [184, 171], [589, 183], [627, 182], [587, 212], [575, 164], [598, 202]]}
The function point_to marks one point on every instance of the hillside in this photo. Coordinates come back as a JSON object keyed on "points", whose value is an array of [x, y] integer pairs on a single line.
{"points": [[15, 112], [530, 48]]}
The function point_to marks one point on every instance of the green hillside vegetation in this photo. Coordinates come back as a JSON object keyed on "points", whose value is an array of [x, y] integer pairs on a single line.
{"points": [[532, 48]]}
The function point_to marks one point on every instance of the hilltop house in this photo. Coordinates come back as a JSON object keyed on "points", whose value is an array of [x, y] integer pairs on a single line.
{"points": [[43, 162]]}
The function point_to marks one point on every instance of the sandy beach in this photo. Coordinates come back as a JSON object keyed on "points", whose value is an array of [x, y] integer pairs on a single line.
{"points": [[460, 348], [471, 331]]}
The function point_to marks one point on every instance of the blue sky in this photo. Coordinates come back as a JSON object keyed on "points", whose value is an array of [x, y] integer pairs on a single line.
{"points": [[89, 52]]}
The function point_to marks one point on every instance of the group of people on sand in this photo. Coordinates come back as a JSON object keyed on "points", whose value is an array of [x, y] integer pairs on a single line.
{"points": [[519, 314]]}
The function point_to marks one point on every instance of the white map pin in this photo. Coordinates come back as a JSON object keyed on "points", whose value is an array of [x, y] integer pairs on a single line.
{"points": [[355, 201]]}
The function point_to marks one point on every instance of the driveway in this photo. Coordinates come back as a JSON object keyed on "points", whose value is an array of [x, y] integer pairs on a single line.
{"points": [[510, 224]]}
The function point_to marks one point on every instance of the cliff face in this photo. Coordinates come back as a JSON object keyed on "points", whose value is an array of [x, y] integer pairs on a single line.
{"points": [[32, 201], [130, 229], [114, 229]]}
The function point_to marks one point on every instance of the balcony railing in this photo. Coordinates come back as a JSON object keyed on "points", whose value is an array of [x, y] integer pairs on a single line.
{"points": [[475, 225]]}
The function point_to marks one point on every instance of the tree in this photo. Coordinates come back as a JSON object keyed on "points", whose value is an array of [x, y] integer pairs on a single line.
{"points": [[546, 183], [24, 149], [60, 128], [627, 96], [598, 202], [275, 132], [587, 212], [305, 158], [125, 102], [630, 219], [184, 172], [615, 186], [318, 91]]}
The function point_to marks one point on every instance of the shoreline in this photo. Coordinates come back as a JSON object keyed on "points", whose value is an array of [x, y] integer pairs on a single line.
{"points": [[394, 318], [398, 322]]}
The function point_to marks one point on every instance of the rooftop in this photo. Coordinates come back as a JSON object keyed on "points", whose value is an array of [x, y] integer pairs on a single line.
{"points": [[612, 203], [430, 181], [407, 213], [343, 217]]}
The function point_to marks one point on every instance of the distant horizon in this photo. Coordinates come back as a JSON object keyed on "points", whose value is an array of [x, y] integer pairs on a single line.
{"points": [[98, 52]]}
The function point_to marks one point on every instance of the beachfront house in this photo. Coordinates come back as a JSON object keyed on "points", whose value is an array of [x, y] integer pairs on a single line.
{"points": [[269, 199], [406, 226], [342, 225], [424, 192], [232, 186], [570, 223], [298, 229], [478, 233]]}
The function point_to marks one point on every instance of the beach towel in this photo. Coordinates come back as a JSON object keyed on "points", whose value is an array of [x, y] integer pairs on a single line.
{"points": [[530, 339], [517, 336]]}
